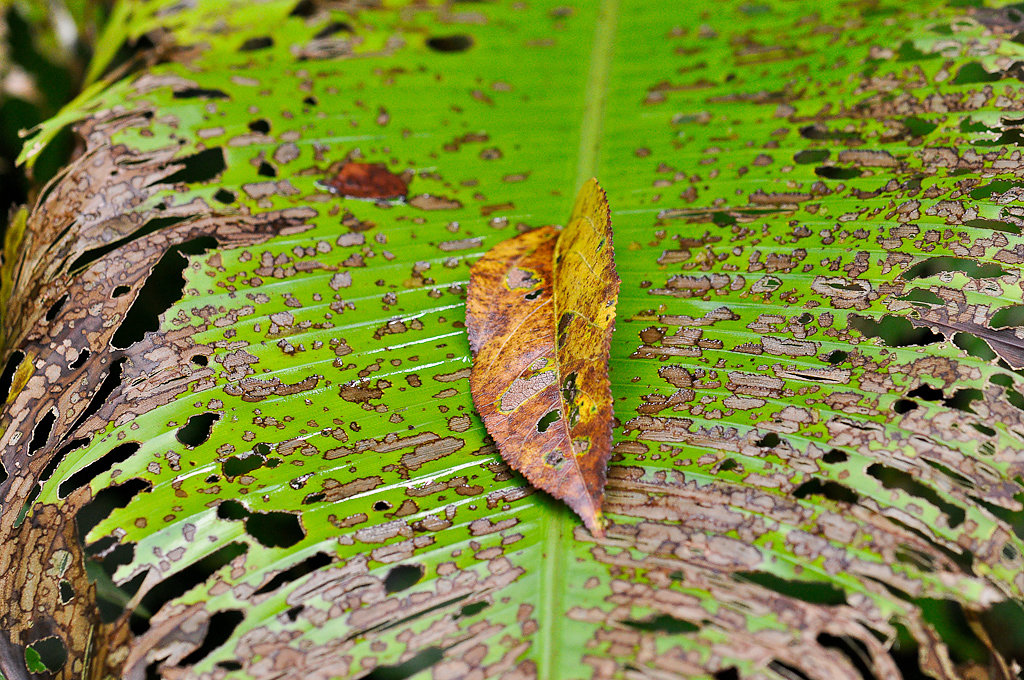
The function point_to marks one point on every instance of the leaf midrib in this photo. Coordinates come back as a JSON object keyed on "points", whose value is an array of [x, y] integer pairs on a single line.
{"points": [[561, 522]]}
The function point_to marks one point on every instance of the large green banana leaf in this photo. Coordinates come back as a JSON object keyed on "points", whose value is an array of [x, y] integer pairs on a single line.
{"points": [[238, 439]]}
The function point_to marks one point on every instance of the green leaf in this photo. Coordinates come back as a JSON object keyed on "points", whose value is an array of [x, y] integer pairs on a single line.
{"points": [[33, 661], [270, 449]]}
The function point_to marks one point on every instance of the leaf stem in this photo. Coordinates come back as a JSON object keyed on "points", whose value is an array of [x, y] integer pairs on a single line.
{"points": [[597, 83], [561, 521]]}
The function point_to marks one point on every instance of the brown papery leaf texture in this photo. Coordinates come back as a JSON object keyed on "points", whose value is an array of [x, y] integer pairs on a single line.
{"points": [[540, 315]]}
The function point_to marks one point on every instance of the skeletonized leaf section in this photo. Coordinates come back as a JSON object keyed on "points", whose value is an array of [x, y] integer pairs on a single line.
{"points": [[540, 315]]}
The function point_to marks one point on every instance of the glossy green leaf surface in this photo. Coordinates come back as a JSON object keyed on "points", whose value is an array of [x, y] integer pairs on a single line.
{"points": [[279, 470]]}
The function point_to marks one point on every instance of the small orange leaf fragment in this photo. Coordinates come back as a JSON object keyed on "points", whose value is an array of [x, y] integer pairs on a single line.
{"points": [[540, 314]]}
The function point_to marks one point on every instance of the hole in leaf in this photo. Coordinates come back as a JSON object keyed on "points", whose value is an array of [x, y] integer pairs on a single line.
{"points": [[266, 170], [974, 346], [729, 673], [974, 72], [926, 392], [819, 131], [533, 295], [961, 399], [832, 172], [200, 360], [402, 577], [937, 265], [46, 656], [950, 622], [918, 127], [234, 466], [200, 93], [911, 555], [809, 156], [201, 167], [162, 289], [547, 420], [835, 456], [67, 592], [828, 489], [180, 583], [425, 659], [450, 43], [894, 331], [197, 429], [7, 377], [984, 429], [902, 406], [769, 441], [80, 360], [148, 227], [118, 454], [891, 478], [853, 649], [997, 186], [922, 295], [471, 609], [229, 665], [1004, 622], [258, 43], [231, 510], [1012, 316], [314, 498], [104, 502], [806, 591], [275, 529], [381, 506], [119, 291], [27, 506], [55, 308], [728, 464], [663, 623], [304, 9], [42, 431], [107, 387], [260, 125], [904, 653], [306, 566], [224, 196], [787, 671], [333, 28], [221, 626]]}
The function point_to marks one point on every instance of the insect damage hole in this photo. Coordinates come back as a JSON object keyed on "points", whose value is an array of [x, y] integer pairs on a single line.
{"points": [[55, 308], [306, 566], [425, 659], [7, 377], [46, 656], [84, 476], [547, 420], [197, 429], [201, 167], [180, 583], [221, 626], [450, 43], [853, 649], [164, 286], [275, 529], [42, 431], [402, 577]]}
